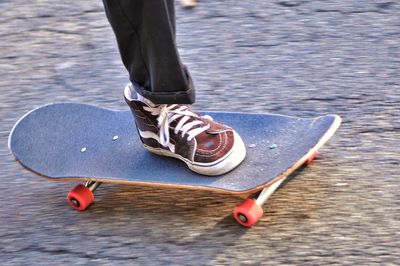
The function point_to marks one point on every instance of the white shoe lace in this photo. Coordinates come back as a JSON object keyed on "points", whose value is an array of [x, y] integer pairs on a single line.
{"points": [[167, 114]]}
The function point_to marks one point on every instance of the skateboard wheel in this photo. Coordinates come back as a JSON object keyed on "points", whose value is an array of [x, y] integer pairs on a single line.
{"points": [[80, 197], [248, 213], [311, 158]]}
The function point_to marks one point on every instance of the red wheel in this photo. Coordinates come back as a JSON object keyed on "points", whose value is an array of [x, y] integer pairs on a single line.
{"points": [[248, 213], [80, 197], [311, 158]]}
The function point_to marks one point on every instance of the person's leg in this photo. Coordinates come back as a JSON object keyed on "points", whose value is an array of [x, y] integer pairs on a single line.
{"points": [[145, 32], [161, 89]]}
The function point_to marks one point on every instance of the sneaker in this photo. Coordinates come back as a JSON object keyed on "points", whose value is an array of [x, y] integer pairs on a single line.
{"points": [[207, 147]]}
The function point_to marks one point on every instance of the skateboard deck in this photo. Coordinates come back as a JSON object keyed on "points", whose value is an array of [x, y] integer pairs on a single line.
{"points": [[79, 141], [82, 142]]}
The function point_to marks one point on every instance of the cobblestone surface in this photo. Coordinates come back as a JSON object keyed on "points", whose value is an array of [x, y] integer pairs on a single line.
{"points": [[297, 57]]}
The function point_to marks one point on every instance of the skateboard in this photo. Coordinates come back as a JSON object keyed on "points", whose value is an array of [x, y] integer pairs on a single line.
{"points": [[72, 141]]}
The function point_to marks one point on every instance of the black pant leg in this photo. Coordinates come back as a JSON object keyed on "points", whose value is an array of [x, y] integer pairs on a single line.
{"points": [[145, 32]]}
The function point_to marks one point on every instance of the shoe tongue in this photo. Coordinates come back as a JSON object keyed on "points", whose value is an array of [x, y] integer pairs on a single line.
{"points": [[191, 118], [176, 121], [215, 127]]}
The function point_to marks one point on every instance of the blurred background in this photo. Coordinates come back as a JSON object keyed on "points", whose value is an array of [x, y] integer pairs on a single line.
{"points": [[292, 57]]}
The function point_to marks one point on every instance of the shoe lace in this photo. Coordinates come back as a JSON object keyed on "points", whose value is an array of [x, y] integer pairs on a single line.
{"points": [[169, 113]]}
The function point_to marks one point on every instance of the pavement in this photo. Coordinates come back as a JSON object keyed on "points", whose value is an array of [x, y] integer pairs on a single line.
{"points": [[300, 57]]}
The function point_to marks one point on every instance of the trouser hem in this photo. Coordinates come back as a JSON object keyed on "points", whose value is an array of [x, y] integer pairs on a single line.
{"points": [[170, 97]]}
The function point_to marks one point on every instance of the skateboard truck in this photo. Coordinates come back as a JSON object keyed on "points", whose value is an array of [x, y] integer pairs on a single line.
{"points": [[92, 185], [250, 210]]}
